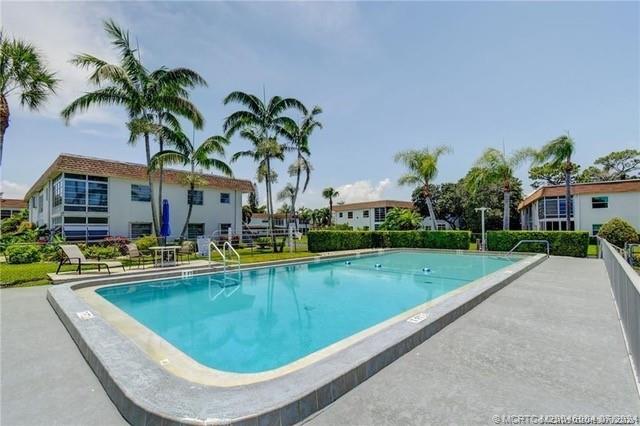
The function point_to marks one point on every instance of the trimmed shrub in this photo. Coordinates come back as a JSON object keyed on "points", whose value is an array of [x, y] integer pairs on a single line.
{"points": [[353, 240], [23, 253], [618, 232], [562, 243], [98, 252], [119, 242], [143, 243]]}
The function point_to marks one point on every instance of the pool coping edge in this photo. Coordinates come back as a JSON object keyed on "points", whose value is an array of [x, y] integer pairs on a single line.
{"points": [[131, 379]]}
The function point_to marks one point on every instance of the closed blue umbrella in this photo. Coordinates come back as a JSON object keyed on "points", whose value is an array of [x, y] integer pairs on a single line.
{"points": [[165, 228]]}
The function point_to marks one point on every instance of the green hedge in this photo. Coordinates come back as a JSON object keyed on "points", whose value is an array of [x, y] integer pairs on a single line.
{"points": [[562, 243], [330, 240]]}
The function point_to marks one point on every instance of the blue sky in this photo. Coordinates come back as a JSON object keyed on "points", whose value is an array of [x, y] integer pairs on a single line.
{"points": [[389, 76]]}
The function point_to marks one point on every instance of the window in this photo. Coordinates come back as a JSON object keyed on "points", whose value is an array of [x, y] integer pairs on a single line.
{"points": [[75, 220], [225, 198], [599, 202], [224, 227], [340, 214], [442, 227], [75, 192], [85, 193], [140, 229], [194, 230], [595, 228], [379, 213], [58, 188], [97, 198], [97, 220], [349, 215], [194, 197], [365, 213], [40, 203], [140, 193]]}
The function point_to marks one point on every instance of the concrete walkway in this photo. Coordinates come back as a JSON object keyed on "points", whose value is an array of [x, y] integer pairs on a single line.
{"points": [[44, 378], [549, 343]]}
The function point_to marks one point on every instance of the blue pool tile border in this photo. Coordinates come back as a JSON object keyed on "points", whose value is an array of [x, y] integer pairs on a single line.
{"points": [[146, 394]]}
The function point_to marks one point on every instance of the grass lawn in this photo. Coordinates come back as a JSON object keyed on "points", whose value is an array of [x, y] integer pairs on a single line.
{"points": [[36, 273], [29, 274]]}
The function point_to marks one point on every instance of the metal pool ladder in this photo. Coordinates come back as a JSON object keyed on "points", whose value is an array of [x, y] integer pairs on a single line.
{"points": [[226, 262], [545, 242]]}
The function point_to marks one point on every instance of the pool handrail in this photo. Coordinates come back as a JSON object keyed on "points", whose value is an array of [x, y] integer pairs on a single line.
{"points": [[546, 242]]}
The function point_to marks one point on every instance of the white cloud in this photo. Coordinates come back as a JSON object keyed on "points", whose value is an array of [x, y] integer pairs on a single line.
{"points": [[12, 189], [60, 30], [363, 190]]}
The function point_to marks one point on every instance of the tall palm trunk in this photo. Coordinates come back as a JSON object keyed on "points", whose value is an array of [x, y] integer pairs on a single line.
{"points": [[432, 213], [186, 222], [270, 205], [506, 216], [160, 177], [569, 204], [330, 210], [154, 213], [295, 194], [4, 121]]}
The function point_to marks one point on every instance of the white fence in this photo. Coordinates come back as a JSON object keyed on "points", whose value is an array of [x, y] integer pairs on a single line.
{"points": [[625, 283]]}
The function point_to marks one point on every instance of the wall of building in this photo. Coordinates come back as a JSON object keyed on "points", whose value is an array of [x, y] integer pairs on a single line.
{"points": [[625, 205], [123, 211], [358, 221]]}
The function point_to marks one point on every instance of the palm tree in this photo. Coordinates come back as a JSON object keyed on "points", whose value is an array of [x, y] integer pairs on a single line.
{"points": [[558, 153], [288, 193], [261, 122], [298, 136], [264, 151], [187, 154], [22, 72], [422, 168], [330, 193], [495, 168], [144, 95]]}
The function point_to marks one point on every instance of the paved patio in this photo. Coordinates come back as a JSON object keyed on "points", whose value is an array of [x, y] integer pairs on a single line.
{"points": [[549, 343]]}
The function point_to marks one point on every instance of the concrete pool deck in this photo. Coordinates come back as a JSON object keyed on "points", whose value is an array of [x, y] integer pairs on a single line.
{"points": [[548, 343]]}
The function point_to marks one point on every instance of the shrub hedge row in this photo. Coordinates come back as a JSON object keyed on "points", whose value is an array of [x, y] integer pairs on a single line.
{"points": [[562, 243], [330, 240]]}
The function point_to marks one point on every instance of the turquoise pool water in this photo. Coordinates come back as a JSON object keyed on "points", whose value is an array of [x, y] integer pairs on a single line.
{"points": [[278, 315]]}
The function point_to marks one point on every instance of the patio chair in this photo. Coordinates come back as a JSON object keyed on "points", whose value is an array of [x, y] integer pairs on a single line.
{"points": [[186, 249], [71, 254], [136, 255]]}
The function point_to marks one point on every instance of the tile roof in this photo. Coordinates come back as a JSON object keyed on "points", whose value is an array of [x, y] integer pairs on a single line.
{"points": [[109, 168], [630, 185], [372, 204], [12, 203]]}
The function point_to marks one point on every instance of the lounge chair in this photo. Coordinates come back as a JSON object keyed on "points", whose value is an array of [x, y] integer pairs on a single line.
{"points": [[186, 249], [71, 254], [135, 254]]}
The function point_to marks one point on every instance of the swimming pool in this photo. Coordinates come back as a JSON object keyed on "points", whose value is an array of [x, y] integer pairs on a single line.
{"points": [[273, 316]]}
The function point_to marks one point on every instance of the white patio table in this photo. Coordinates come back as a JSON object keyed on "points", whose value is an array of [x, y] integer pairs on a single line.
{"points": [[164, 255]]}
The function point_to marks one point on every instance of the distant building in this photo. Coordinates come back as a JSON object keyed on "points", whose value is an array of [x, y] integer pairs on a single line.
{"points": [[11, 206], [90, 198], [371, 214], [259, 223], [593, 205]]}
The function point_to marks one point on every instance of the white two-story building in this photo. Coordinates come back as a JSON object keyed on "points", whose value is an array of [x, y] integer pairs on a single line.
{"points": [[369, 215], [91, 198], [594, 204]]}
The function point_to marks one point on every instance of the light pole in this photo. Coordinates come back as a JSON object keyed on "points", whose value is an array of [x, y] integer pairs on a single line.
{"points": [[484, 241]]}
